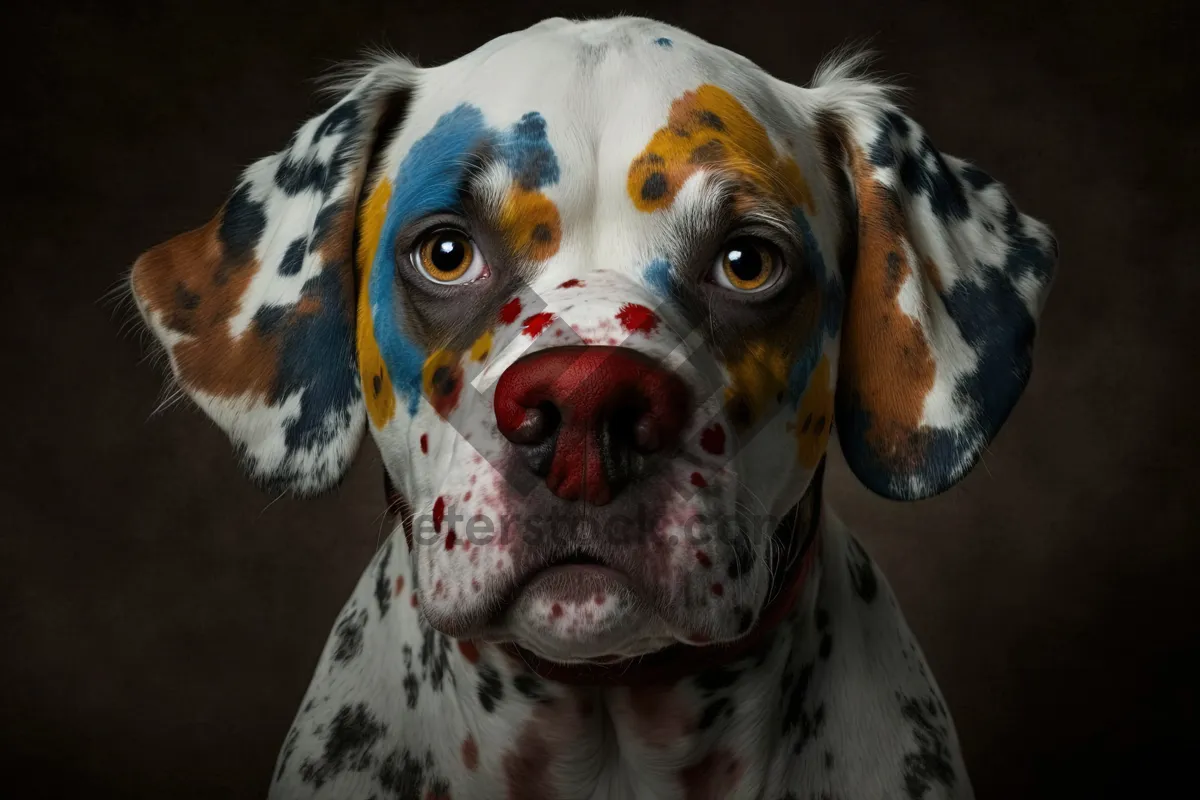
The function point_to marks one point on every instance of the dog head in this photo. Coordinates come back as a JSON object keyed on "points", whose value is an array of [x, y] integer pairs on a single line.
{"points": [[600, 291]]}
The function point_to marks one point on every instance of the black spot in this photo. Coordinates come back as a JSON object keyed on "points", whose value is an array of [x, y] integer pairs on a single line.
{"points": [[862, 573], [807, 423], [402, 775], [826, 646], [185, 298], [443, 381], [434, 655], [352, 734], [654, 158], [828, 759], [349, 635], [412, 689], [710, 119], [712, 711], [491, 688], [541, 233], [383, 581], [289, 747], [377, 383], [932, 762], [293, 258], [655, 187], [796, 691], [242, 225], [270, 319], [745, 621], [528, 685]]}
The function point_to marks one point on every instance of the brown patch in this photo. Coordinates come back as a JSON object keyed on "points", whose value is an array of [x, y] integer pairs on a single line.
{"points": [[714, 777], [470, 754], [658, 715], [887, 366], [195, 288]]}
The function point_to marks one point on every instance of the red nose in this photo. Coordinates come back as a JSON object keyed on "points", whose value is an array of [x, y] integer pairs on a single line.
{"points": [[588, 418]]}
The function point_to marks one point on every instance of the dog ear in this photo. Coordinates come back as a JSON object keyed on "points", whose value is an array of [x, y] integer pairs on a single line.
{"points": [[944, 284], [256, 309]]}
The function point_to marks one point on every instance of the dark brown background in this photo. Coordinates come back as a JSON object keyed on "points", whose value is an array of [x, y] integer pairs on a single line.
{"points": [[161, 618]]}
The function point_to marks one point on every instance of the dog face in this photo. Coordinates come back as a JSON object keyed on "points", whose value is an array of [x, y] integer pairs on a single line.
{"points": [[599, 290]]}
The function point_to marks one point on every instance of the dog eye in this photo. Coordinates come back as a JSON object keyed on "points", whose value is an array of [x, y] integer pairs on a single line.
{"points": [[448, 256], [747, 264]]}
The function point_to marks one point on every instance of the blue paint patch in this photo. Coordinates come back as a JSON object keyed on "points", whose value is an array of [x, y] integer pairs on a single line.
{"points": [[427, 181], [663, 42], [527, 152], [658, 275], [832, 299]]}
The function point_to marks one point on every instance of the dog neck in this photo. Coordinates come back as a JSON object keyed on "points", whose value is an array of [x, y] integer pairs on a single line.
{"points": [[604, 729]]}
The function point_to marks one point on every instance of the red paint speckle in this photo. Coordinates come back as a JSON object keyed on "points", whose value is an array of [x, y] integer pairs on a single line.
{"points": [[470, 754], [713, 439], [718, 589], [413, 600], [510, 311], [599, 598], [399, 584], [438, 588], [536, 323], [439, 511], [467, 497], [637, 318], [703, 560], [556, 611], [469, 650], [698, 480], [451, 538], [424, 443], [571, 284], [475, 587]]}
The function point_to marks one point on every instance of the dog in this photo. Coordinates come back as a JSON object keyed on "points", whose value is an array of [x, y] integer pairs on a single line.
{"points": [[600, 290]]}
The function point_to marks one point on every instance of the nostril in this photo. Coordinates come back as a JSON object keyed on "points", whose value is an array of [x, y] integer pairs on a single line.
{"points": [[647, 434], [588, 419], [539, 423]]}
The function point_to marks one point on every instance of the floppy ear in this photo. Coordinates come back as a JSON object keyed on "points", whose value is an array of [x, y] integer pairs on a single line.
{"points": [[256, 308], [945, 282]]}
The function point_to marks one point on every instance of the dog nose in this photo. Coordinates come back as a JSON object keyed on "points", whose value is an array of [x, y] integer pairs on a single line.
{"points": [[587, 418]]}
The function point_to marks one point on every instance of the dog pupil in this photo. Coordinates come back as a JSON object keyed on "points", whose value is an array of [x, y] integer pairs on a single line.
{"points": [[746, 263], [448, 254]]}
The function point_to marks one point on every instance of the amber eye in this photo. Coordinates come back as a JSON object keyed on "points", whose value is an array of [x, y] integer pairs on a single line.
{"points": [[448, 256], [747, 264]]}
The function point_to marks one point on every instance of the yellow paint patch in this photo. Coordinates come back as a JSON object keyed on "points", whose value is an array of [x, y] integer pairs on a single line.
{"points": [[756, 382], [531, 224], [482, 347], [709, 129], [377, 386], [814, 418]]}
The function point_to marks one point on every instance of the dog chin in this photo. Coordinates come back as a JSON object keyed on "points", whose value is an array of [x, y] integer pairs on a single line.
{"points": [[583, 614]]}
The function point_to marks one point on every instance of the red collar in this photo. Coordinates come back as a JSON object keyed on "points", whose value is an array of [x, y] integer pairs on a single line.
{"points": [[800, 527]]}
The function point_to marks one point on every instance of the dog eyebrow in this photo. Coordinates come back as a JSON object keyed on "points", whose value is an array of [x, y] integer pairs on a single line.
{"points": [[726, 200]]}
